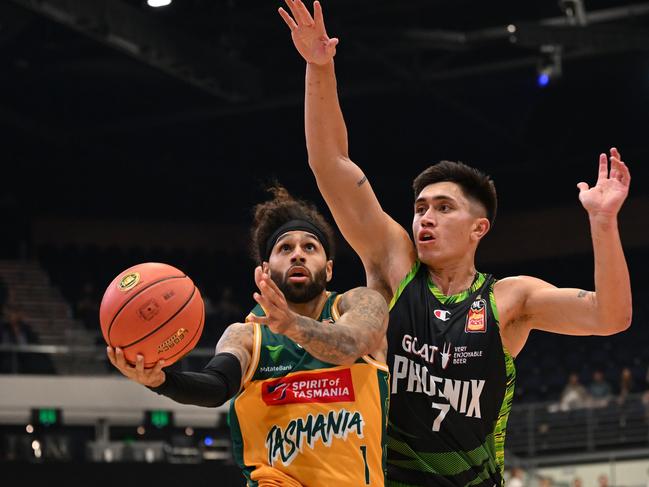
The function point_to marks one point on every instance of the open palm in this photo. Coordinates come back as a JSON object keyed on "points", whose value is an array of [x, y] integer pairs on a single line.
{"points": [[309, 33], [611, 189]]}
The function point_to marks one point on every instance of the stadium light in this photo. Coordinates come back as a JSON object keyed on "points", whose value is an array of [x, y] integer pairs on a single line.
{"points": [[158, 3]]}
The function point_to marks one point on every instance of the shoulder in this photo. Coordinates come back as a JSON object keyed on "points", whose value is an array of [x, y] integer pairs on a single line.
{"points": [[242, 332], [512, 293], [361, 297], [519, 285]]}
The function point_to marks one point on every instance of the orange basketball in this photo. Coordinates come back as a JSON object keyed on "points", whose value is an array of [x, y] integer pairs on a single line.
{"points": [[154, 310]]}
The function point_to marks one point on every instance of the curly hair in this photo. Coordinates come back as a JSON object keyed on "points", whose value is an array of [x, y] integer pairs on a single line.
{"points": [[272, 214]]}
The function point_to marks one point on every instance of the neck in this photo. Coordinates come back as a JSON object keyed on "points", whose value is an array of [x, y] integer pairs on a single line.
{"points": [[311, 309], [452, 279]]}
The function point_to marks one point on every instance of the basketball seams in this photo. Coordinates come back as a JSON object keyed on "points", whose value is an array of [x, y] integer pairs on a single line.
{"points": [[189, 344], [191, 296], [128, 301]]}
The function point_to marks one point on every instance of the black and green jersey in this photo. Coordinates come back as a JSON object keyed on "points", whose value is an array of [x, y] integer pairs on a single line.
{"points": [[300, 421], [452, 384]]}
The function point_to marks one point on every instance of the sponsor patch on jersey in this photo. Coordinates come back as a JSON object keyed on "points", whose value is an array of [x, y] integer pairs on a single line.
{"points": [[323, 387], [442, 314], [476, 319]]}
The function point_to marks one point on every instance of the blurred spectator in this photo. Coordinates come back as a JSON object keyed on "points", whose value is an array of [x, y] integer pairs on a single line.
{"points": [[626, 384], [599, 390], [516, 478], [87, 307], [15, 330], [602, 480], [545, 482], [645, 402], [574, 395], [576, 482]]}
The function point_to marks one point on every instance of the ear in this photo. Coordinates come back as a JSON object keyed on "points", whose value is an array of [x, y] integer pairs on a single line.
{"points": [[481, 227], [330, 269]]}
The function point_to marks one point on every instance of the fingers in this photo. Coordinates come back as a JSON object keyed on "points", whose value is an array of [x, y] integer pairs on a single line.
{"points": [[287, 18], [317, 14], [615, 153], [111, 355], [603, 169], [622, 171], [269, 290], [303, 12], [121, 359], [158, 368], [139, 364], [582, 187]]}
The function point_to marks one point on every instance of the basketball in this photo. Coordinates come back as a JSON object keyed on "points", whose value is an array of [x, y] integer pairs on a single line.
{"points": [[152, 309]]}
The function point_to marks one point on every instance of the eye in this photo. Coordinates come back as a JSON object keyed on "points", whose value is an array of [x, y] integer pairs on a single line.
{"points": [[284, 248], [420, 210], [444, 208], [309, 246]]}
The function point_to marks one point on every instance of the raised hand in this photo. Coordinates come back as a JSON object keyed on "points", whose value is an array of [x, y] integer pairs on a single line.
{"points": [[152, 377], [309, 33], [605, 199], [278, 316]]}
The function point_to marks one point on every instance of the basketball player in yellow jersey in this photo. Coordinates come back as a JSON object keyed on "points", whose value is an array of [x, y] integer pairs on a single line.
{"points": [[306, 370]]}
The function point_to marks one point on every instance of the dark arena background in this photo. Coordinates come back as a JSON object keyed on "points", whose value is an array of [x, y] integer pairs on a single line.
{"points": [[135, 134]]}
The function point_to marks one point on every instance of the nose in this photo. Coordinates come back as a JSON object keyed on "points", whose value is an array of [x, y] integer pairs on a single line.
{"points": [[428, 218], [297, 255]]}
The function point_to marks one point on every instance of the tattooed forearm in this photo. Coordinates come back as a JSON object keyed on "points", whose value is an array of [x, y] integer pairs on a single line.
{"points": [[361, 326], [237, 339]]}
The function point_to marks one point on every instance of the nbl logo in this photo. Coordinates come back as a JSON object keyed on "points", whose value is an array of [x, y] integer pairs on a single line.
{"points": [[476, 319]]}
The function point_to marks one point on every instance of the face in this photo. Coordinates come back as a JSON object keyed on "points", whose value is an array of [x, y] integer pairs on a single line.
{"points": [[299, 266], [446, 224]]}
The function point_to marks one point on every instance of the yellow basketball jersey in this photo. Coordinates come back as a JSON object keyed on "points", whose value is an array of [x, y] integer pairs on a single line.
{"points": [[301, 421]]}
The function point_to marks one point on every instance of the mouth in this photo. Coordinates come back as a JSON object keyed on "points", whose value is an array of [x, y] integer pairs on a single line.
{"points": [[426, 238], [298, 274]]}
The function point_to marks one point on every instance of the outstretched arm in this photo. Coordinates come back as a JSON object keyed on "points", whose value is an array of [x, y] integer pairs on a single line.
{"points": [[359, 331], [216, 383], [608, 310], [342, 183]]}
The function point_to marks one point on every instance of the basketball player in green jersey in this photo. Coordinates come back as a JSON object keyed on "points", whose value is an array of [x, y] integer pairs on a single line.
{"points": [[306, 370], [453, 331]]}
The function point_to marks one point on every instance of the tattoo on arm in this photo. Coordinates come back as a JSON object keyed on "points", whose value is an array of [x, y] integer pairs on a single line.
{"points": [[587, 295], [361, 181], [361, 326], [238, 339]]}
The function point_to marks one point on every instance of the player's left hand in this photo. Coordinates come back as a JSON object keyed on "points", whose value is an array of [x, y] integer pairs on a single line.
{"points": [[279, 318], [605, 199]]}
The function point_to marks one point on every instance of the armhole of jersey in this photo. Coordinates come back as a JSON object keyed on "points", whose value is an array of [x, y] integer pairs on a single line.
{"points": [[404, 282], [335, 313], [256, 350], [375, 363]]}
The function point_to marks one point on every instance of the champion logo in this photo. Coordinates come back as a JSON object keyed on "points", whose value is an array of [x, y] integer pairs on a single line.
{"points": [[442, 314]]}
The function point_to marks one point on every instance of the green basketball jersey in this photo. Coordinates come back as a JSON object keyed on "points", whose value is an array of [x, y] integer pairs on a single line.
{"points": [[301, 421]]}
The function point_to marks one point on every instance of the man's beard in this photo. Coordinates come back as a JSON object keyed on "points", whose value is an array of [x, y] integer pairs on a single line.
{"points": [[302, 292]]}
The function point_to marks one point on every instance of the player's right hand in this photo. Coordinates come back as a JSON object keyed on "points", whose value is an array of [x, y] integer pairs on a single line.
{"points": [[152, 377], [309, 33]]}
